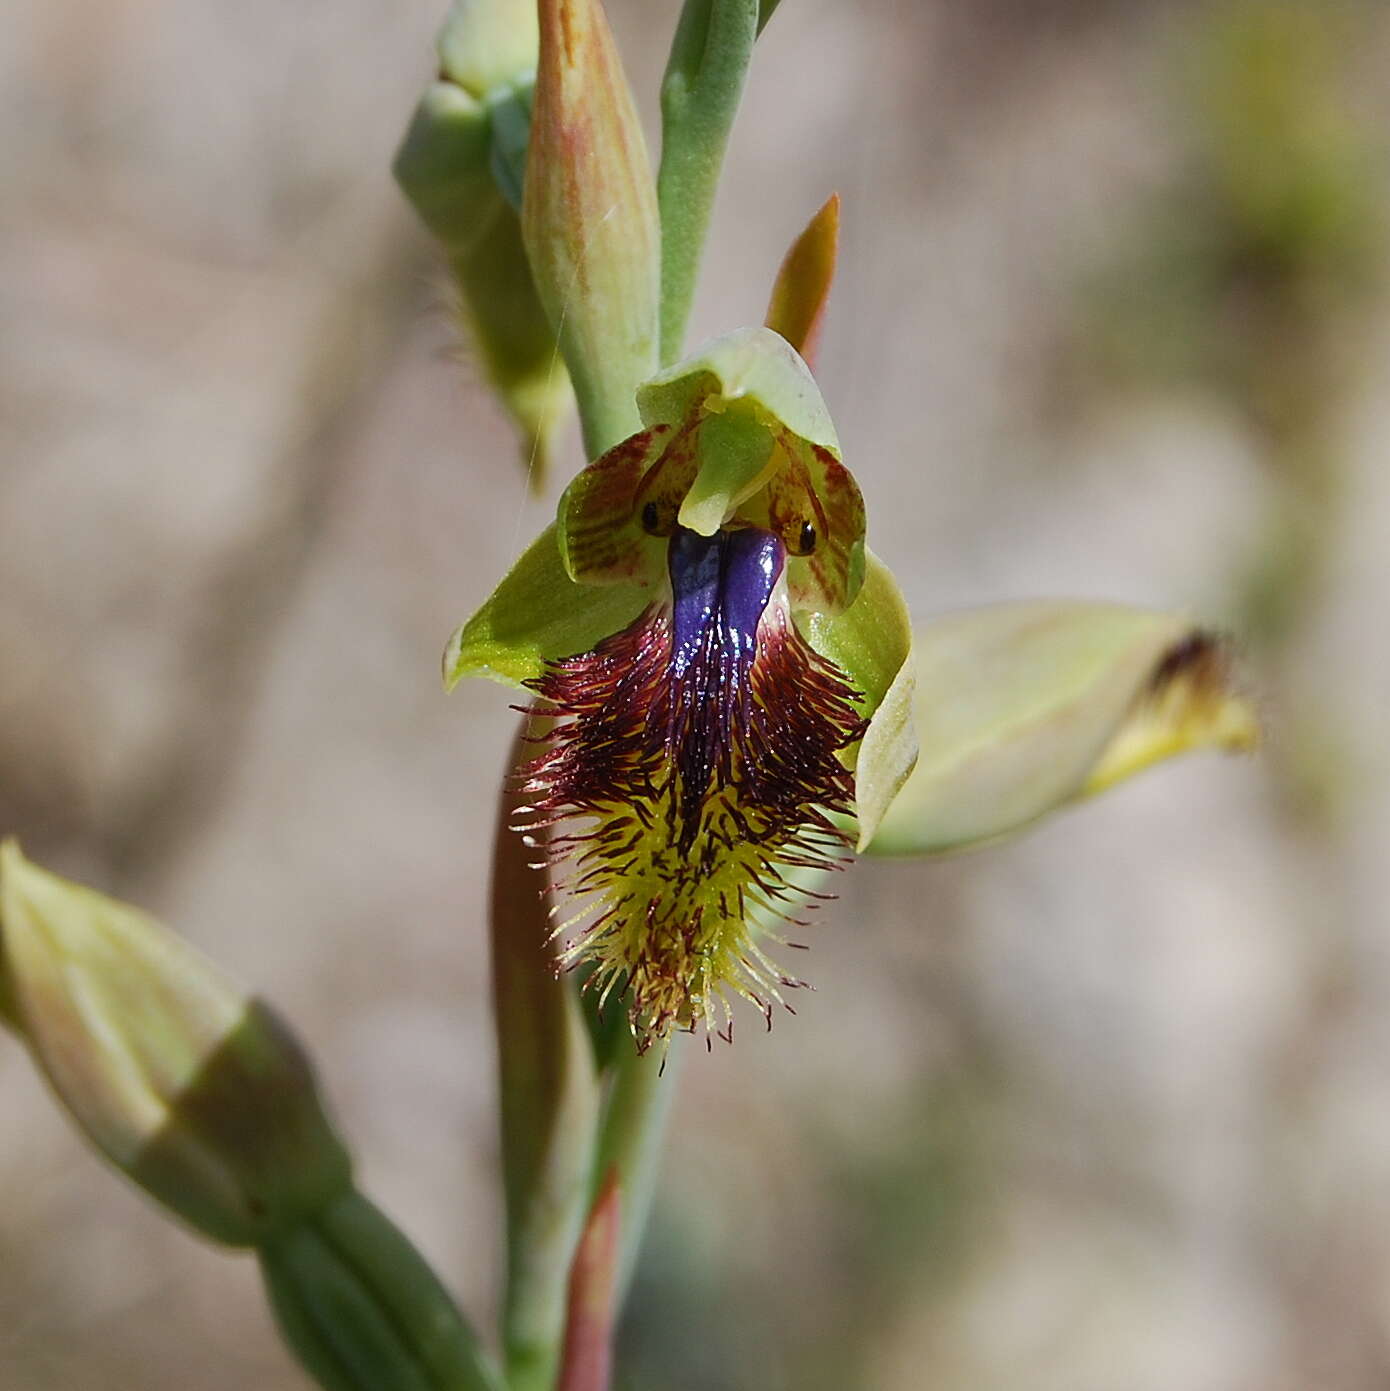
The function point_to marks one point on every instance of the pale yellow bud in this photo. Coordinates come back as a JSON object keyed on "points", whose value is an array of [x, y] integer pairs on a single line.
{"points": [[191, 1088], [589, 218], [1023, 708]]}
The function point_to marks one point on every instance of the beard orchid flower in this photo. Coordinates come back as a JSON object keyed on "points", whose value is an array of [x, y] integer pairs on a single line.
{"points": [[722, 665], [729, 696]]}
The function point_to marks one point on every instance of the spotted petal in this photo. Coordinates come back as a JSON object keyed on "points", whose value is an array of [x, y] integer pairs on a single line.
{"points": [[804, 481], [737, 432]]}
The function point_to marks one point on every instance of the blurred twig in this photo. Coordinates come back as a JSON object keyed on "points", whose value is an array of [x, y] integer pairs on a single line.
{"points": [[252, 595]]}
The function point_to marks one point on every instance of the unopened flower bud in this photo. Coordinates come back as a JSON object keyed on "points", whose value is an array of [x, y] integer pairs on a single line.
{"points": [[487, 44], [589, 217], [460, 165], [193, 1090], [1023, 708]]}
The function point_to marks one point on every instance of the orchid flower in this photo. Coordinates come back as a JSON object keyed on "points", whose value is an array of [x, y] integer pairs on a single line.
{"points": [[724, 665]]}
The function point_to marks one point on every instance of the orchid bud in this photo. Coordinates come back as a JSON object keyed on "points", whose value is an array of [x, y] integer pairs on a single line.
{"points": [[589, 217], [487, 44], [447, 163], [191, 1088], [1024, 708], [460, 165]]}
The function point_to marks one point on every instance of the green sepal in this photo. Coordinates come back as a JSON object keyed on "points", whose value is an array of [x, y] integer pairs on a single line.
{"points": [[871, 642], [1024, 708], [599, 519], [535, 615], [756, 365]]}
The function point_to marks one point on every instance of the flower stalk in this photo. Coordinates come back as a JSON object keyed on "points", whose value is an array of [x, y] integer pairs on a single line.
{"points": [[549, 1095], [364, 1312], [593, 1296], [641, 1091], [700, 93]]}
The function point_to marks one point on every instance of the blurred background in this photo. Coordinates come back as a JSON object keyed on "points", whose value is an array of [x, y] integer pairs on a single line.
{"points": [[1100, 1110]]}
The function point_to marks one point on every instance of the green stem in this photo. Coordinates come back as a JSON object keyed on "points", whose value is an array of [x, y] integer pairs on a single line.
{"points": [[364, 1312], [549, 1103], [700, 92], [630, 1141]]}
